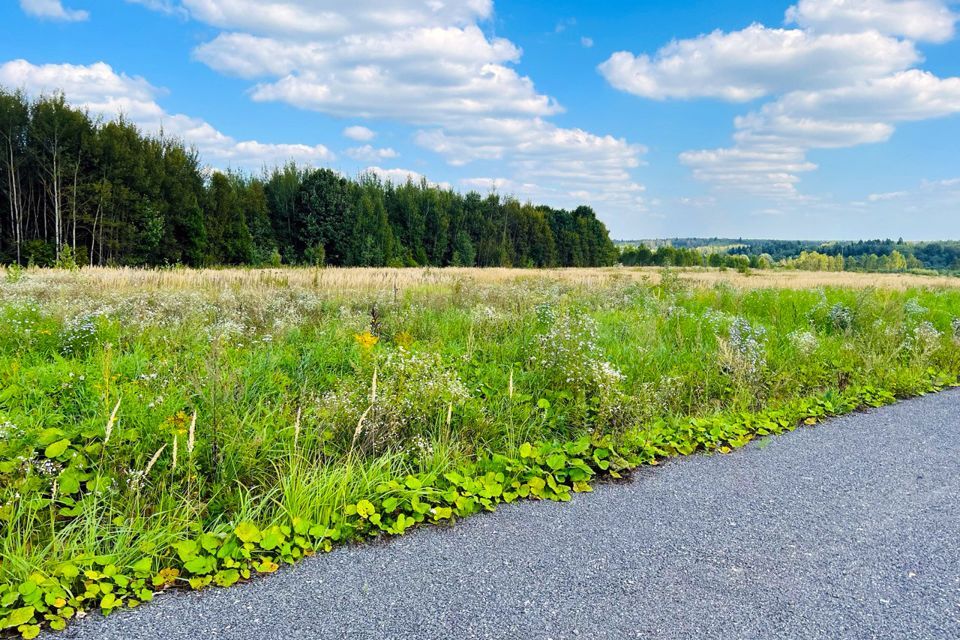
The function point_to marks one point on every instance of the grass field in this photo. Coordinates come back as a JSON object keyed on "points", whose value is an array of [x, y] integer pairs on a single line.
{"points": [[193, 428], [333, 281]]}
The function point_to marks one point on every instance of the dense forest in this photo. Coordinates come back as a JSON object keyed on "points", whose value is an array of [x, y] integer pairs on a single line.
{"points": [[861, 255], [77, 190]]}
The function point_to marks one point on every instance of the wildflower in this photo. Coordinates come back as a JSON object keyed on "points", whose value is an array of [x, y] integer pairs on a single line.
{"points": [[9, 431], [841, 317], [546, 313], [744, 352], [914, 308], [806, 342], [47, 468], [366, 340], [927, 337], [408, 391]]}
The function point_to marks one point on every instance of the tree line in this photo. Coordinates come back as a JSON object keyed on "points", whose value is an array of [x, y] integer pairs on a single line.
{"points": [[864, 255], [861, 255], [80, 190], [711, 256]]}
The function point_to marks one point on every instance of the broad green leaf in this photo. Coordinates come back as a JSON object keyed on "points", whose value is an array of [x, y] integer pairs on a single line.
{"points": [[557, 461], [143, 566], [56, 449], [365, 509], [18, 617], [248, 532], [29, 631]]}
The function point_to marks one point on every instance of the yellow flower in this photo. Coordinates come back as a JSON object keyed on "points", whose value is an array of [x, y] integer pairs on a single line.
{"points": [[366, 339], [403, 339]]}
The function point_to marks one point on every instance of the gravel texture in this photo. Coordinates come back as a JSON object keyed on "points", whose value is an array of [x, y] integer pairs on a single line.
{"points": [[847, 530]]}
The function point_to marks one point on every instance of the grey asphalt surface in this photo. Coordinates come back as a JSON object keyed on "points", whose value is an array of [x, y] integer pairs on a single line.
{"points": [[846, 530]]}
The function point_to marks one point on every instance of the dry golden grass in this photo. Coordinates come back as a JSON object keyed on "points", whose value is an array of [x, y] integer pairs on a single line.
{"points": [[346, 280]]}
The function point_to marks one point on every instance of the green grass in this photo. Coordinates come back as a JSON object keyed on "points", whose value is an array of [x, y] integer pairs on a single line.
{"points": [[296, 449]]}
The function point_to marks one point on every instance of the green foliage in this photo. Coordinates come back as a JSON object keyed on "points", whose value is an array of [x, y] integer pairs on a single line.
{"points": [[885, 256], [66, 260], [161, 439], [14, 273], [138, 200]]}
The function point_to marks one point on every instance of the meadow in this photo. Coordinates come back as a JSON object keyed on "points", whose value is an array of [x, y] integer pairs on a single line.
{"points": [[181, 428]]}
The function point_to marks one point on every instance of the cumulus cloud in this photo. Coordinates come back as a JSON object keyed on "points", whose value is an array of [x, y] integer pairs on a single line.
{"points": [[53, 10], [768, 173], [907, 95], [369, 153], [863, 113], [924, 20], [430, 74], [326, 18], [101, 90], [425, 63], [401, 176], [566, 165], [359, 133], [846, 77], [756, 62]]}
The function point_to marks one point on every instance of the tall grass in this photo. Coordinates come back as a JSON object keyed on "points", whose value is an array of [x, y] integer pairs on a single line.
{"points": [[258, 381]]}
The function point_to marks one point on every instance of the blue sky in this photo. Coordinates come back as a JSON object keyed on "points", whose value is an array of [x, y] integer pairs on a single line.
{"points": [[814, 119]]}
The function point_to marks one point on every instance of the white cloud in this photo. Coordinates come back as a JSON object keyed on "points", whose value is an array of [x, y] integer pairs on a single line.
{"points": [[766, 173], [842, 79], [926, 20], [430, 75], [586, 42], [931, 199], [891, 195], [490, 184], [53, 10], [946, 184], [325, 18], [169, 7], [756, 62], [863, 113], [401, 176], [904, 96], [559, 165], [101, 90], [368, 153], [359, 133]]}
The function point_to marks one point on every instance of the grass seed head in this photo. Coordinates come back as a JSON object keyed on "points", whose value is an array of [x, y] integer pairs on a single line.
{"points": [[153, 460], [192, 433], [111, 421]]}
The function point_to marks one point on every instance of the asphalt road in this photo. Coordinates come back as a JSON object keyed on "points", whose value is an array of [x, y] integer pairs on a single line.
{"points": [[847, 530]]}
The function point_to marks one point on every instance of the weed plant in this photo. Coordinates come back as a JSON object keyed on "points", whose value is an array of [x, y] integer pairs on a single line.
{"points": [[195, 434]]}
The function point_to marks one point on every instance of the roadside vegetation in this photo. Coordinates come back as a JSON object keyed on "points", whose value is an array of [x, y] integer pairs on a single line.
{"points": [[186, 429]]}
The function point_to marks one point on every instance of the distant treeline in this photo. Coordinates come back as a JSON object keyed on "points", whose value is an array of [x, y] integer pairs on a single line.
{"points": [[82, 191], [863, 255]]}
